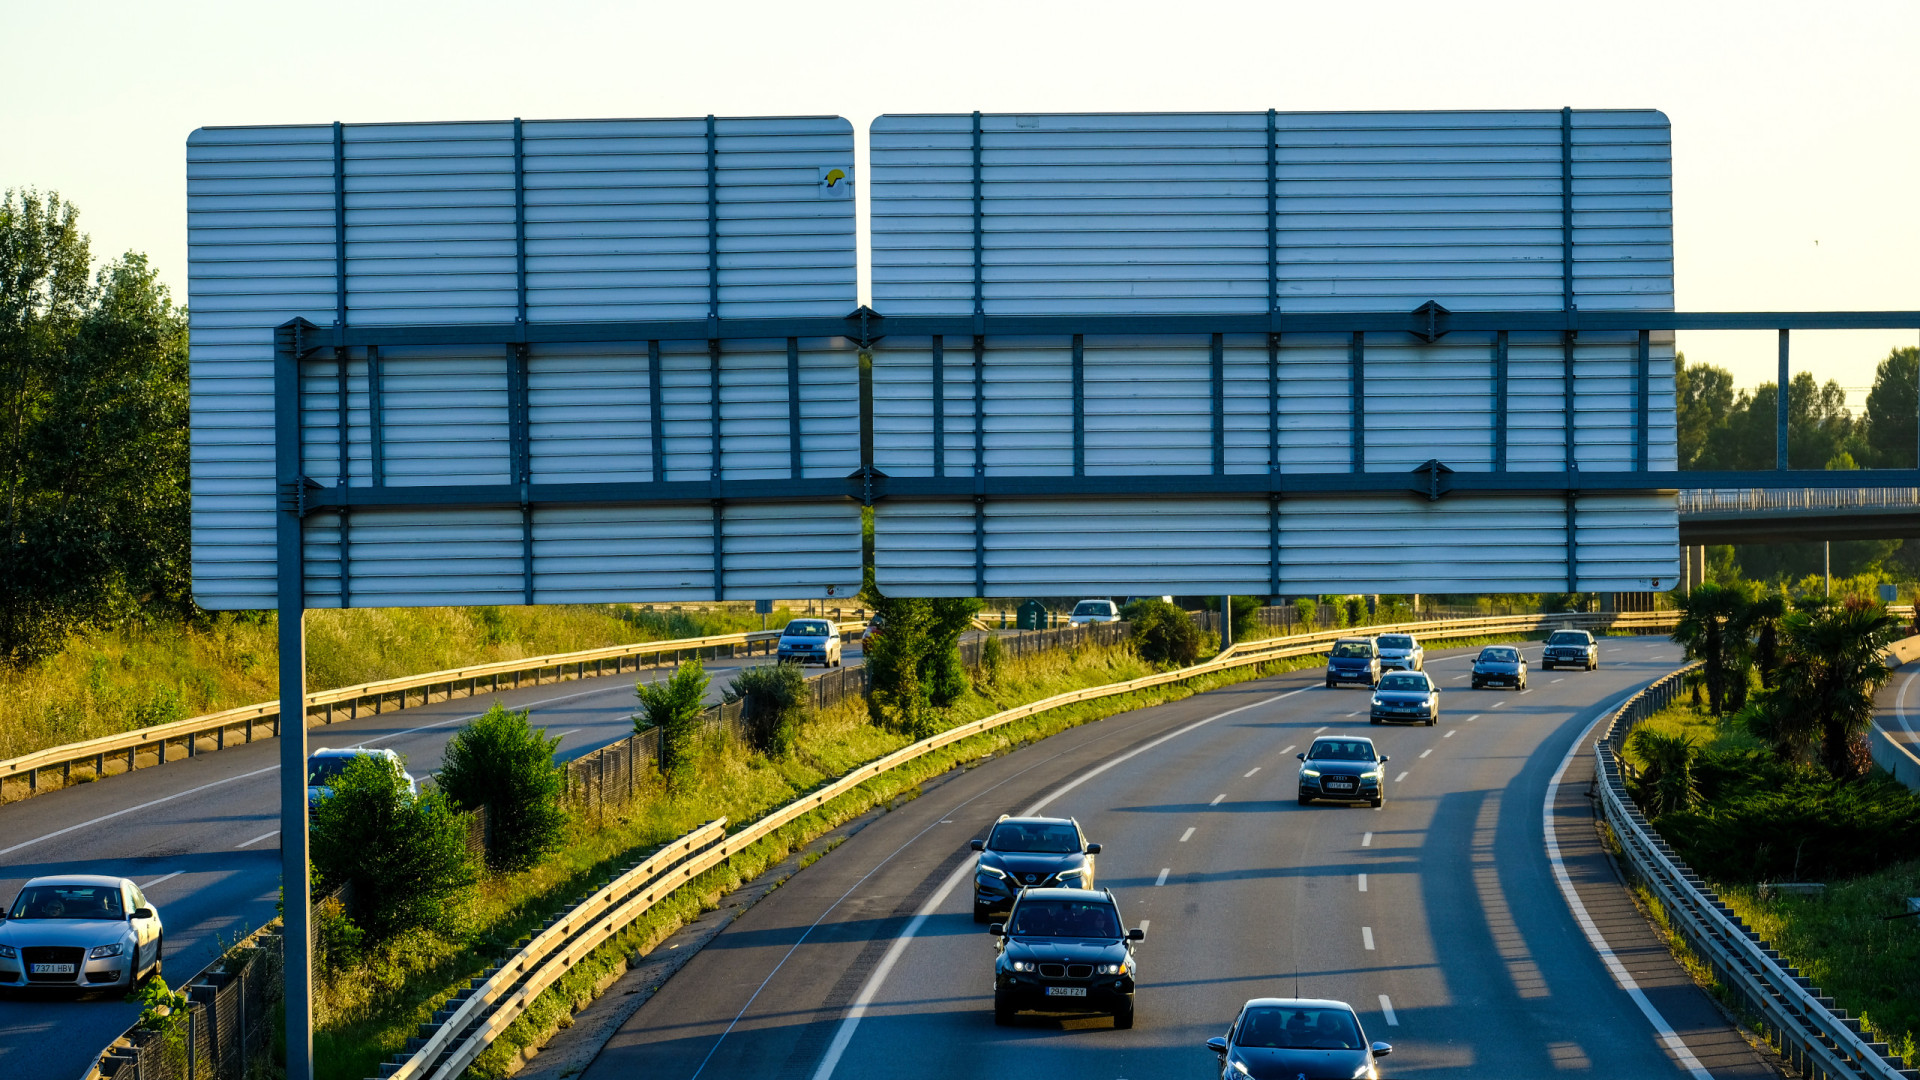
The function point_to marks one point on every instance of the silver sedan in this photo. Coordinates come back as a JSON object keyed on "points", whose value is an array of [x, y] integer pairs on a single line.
{"points": [[79, 931]]}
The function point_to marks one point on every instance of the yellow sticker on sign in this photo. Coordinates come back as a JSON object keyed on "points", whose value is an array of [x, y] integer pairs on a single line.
{"points": [[836, 182]]}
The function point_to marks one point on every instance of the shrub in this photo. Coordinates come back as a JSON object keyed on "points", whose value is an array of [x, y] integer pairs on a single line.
{"points": [[915, 666], [406, 856], [1667, 785], [1811, 829], [1246, 615], [1163, 633], [1306, 609], [502, 762], [993, 658], [774, 703], [674, 706]]}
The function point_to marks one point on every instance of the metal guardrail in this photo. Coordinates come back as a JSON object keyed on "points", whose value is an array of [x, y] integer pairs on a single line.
{"points": [[1749, 500], [1800, 1020], [460, 1034], [99, 755]]}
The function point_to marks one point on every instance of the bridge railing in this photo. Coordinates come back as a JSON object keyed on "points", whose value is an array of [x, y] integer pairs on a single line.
{"points": [[1761, 500]]}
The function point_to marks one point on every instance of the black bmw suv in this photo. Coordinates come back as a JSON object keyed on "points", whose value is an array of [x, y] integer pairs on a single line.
{"points": [[1065, 950], [1029, 853]]}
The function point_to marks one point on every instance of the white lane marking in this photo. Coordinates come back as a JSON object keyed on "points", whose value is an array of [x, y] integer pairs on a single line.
{"points": [[1217, 798], [1386, 1006], [1318, 730], [1528, 690], [131, 809], [1288, 749], [257, 839], [1562, 678], [161, 878], [569, 731], [1367, 840], [1900, 704], [1448, 735], [1350, 716], [1143, 925], [1498, 704], [1186, 836], [1162, 879], [1665, 1030], [528, 707], [1399, 778], [1616, 649], [1458, 678], [1251, 771], [844, 1036], [1429, 749], [1366, 937], [1363, 883]]}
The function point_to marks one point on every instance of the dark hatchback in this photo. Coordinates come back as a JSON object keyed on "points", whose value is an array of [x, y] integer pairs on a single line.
{"points": [[1343, 768], [1297, 1039], [1353, 660], [1029, 853], [1065, 950]]}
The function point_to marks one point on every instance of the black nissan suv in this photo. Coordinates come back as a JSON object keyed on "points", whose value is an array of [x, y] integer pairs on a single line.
{"points": [[1064, 950], [1029, 853]]}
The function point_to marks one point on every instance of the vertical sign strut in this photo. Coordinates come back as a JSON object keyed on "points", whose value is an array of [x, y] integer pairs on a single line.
{"points": [[719, 550], [793, 408], [1643, 375], [1273, 213], [1357, 387], [713, 229], [1566, 295], [298, 972], [979, 546], [339, 226], [656, 412], [520, 228], [376, 438], [1273, 546], [1273, 403], [1273, 349], [979, 409], [1781, 402], [979, 241], [939, 405], [1080, 404], [713, 410], [1500, 401], [1219, 356], [519, 431], [979, 365]]}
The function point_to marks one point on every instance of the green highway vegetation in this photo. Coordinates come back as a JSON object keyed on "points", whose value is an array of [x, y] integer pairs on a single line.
{"points": [[1765, 776]]}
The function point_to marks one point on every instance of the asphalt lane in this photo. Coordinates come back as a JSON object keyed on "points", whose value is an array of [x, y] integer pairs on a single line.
{"points": [[204, 833], [1438, 916]]}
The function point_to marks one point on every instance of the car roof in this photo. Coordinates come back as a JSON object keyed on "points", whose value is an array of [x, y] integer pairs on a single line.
{"points": [[1066, 894], [1042, 820], [353, 751], [1368, 739], [1299, 1003], [1338, 641], [74, 879]]}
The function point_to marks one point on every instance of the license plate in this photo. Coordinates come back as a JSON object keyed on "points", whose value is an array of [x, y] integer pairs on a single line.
{"points": [[1066, 991], [1339, 787], [53, 969]]}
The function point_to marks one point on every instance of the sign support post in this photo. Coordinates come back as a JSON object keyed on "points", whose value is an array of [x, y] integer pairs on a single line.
{"points": [[297, 934]]}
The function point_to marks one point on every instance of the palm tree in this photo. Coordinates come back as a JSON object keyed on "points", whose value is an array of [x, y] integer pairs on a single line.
{"points": [[1761, 623], [1831, 668], [1668, 784], [1709, 632]]}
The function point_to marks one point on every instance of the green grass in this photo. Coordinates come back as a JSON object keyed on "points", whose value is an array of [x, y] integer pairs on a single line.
{"points": [[1706, 730], [108, 682]]}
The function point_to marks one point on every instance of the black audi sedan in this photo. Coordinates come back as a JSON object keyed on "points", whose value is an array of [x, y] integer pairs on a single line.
{"points": [[1343, 768], [1297, 1039], [1029, 853], [1500, 665], [1064, 950]]}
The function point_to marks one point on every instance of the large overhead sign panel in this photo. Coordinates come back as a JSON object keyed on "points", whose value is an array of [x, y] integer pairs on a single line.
{"points": [[1272, 352], [536, 362]]}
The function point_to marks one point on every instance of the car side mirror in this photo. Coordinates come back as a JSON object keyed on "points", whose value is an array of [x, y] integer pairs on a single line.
{"points": [[1384, 759], [1093, 849], [978, 845], [998, 929], [1217, 1044], [1302, 757], [1136, 934], [1381, 1049], [143, 913]]}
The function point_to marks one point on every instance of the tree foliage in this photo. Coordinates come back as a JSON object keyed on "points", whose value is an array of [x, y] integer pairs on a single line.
{"points": [[1162, 632], [674, 706], [1667, 785], [93, 434], [1709, 631], [915, 666], [774, 704], [405, 856], [501, 761], [1831, 666]]}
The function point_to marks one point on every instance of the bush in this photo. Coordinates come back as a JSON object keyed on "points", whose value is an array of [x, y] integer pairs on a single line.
{"points": [[674, 706], [406, 856], [1306, 609], [1246, 615], [502, 762], [1162, 633], [993, 659], [915, 666], [775, 701]]}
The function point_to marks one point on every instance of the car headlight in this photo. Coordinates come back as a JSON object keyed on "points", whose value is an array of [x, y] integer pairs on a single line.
{"points": [[1021, 965], [1110, 969], [101, 952], [1240, 1069], [1001, 874], [1075, 871], [1376, 702], [1373, 774], [9, 952], [1310, 772]]}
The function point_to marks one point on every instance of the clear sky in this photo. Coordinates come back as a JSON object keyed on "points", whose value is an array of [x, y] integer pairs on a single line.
{"points": [[1796, 127]]}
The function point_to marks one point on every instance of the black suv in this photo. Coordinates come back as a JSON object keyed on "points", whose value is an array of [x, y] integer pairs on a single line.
{"points": [[1570, 648], [1064, 950], [1029, 853]]}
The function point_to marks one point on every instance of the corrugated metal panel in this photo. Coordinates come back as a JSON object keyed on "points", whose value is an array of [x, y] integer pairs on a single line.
{"points": [[1627, 543], [1407, 544], [609, 554], [776, 550], [427, 559], [590, 415]]}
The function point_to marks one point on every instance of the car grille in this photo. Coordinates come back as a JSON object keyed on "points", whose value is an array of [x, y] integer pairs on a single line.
{"points": [[48, 954], [1066, 971], [1079, 971], [1053, 971]]}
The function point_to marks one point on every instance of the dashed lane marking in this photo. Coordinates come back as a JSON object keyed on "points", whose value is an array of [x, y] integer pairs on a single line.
{"points": [[1448, 735], [1363, 883], [132, 809], [1429, 749], [1366, 840], [1251, 771], [1399, 778], [1386, 1006], [1288, 749], [1162, 879], [1217, 798], [1323, 727], [1366, 937], [164, 877], [1186, 836], [257, 839]]}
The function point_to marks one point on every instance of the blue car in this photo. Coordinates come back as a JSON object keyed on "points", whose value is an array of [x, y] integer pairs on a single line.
{"points": [[1353, 659], [1343, 768]]}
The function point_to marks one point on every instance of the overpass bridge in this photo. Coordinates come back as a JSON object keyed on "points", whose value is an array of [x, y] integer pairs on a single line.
{"points": [[1790, 515]]}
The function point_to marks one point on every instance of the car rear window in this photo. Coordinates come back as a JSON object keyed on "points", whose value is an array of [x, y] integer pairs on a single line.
{"points": [[68, 902], [1066, 918], [1570, 637], [1353, 650], [807, 628], [1403, 682], [1093, 607], [1280, 1028], [322, 771], [1501, 656], [1035, 837]]}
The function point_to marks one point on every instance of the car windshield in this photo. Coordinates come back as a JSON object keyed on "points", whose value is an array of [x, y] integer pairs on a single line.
{"points": [[1066, 918], [1499, 656], [1091, 607], [1274, 1027], [1036, 837], [322, 771], [1569, 637], [1341, 750], [1396, 641], [1353, 650], [68, 902], [1403, 682], [807, 628]]}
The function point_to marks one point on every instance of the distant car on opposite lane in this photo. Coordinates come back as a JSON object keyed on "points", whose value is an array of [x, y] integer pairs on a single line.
{"points": [[326, 764], [1500, 665], [1407, 696], [1290, 1038], [82, 932], [810, 641], [1402, 652], [1343, 768], [1570, 648], [1093, 611], [1064, 949], [1353, 659], [1029, 853]]}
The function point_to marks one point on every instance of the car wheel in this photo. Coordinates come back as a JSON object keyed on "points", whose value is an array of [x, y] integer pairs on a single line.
{"points": [[1432, 719], [1379, 801], [1002, 1011], [980, 914], [1306, 800], [1329, 684], [1373, 719], [1594, 666], [1123, 1016], [1478, 685]]}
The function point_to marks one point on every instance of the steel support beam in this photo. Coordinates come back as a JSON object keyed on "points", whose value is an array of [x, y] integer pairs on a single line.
{"points": [[1781, 406], [1643, 402], [1357, 411], [939, 405], [1500, 402], [290, 575], [656, 413], [1080, 403], [376, 420], [794, 461], [1218, 357]]}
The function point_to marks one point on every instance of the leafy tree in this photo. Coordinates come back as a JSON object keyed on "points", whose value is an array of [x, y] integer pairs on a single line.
{"points": [[1761, 622], [405, 856], [674, 706], [1709, 632], [1246, 615], [1831, 668], [93, 434], [1889, 418], [915, 667], [1667, 785], [501, 761], [1162, 632], [1306, 609], [1703, 400], [1819, 428], [774, 701]]}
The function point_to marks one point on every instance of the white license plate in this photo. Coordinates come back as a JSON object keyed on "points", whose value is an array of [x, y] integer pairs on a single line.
{"points": [[1066, 991], [53, 969], [1332, 786]]}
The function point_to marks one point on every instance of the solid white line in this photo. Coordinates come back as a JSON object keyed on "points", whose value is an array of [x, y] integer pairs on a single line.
{"points": [[1599, 943], [1186, 836], [1366, 937], [1318, 730], [528, 707], [1363, 883], [1162, 879], [1367, 840], [257, 839], [1251, 771], [1429, 749], [1399, 778], [1217, 798], [1448, 735], [131, 809], [1386, 1006], [161, 878]]}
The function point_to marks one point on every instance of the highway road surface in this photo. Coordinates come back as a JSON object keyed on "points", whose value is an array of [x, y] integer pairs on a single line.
{"points": [[1447, 918], [201, 838]]}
